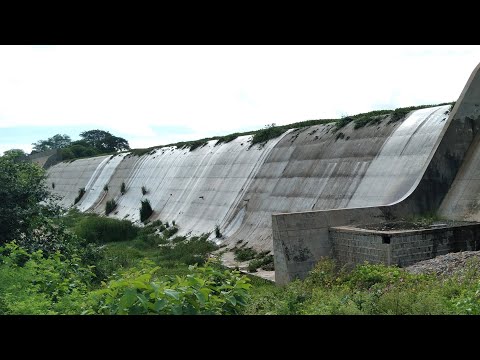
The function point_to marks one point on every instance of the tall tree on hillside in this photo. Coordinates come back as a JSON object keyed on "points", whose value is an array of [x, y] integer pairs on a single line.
{"points": [[57, 141], [103, 141]]}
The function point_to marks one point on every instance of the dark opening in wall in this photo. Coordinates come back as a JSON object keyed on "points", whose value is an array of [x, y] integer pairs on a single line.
{"points": [[385, 239]]}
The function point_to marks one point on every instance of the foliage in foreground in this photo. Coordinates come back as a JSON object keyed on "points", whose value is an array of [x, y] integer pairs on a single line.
{"points": [[31, 283], [205, 290], [371, 289]]}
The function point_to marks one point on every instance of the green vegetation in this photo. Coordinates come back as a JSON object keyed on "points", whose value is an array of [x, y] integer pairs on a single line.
{"points": [[105, 188], [110, 205], [53, 185], [374, 117], [145, 210], [81, 192], [144, 190], [123, 188], [218, 234], [227, 138], [244, 254], [269, 132], [370, 289], [203, 291], [97, 229], [263, 261], [92, 143]]}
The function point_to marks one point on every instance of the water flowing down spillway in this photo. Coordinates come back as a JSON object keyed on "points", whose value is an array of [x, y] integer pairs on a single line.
{"points": [[238, 187]]}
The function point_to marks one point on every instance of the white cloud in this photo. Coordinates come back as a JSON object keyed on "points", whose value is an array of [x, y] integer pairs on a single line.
{"points": [[215, 90]]}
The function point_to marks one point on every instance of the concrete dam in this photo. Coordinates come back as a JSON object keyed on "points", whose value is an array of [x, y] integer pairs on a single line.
{"points": [[286, 195]]}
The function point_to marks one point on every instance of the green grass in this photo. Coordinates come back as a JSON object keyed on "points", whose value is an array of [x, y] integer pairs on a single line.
{"points": [[371, 290]]}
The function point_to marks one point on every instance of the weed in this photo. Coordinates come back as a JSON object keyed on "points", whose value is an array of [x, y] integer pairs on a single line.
{"points": [[144, 190], [105, 187], [145, 210], [245, 254], [123, 188], [110, 206], [218, 234], [81, 192]]}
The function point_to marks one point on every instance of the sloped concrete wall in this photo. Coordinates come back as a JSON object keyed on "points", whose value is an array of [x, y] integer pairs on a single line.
{"points": [[306, 233]]}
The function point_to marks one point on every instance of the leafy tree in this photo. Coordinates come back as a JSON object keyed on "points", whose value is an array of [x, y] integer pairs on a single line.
{"points": [[103, 141], [15, 154], [57, 141], [21, 191]]}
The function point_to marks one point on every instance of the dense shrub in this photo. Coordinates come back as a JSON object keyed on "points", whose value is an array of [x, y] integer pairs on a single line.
{"points": [[81, 192], [269, 132], [97, 229], [145, 210], [33, 284], [244, 254], [205, 290], [110, 205]]}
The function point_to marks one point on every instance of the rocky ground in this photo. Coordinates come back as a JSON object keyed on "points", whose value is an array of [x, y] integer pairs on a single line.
{"points": [[445, 264]]}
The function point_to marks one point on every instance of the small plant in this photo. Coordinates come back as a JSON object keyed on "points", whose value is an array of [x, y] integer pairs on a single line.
{"points": [[269, 132], [145, 210], [245, 254], [144, 190], [123, 188], [226, 139], [105, 188], [340, 135], [218, 234], [110, 206], [173, 222], [53, 185], [81, 192], [166, 225], [170, 231], [343, 121]]}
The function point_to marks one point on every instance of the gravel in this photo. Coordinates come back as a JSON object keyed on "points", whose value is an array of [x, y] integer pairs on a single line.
{"points": [[445, 265]]}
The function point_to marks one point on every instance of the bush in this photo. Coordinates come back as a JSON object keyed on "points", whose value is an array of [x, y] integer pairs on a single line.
{"points": [[218, 234], [97, 229], [105, 187], [145, 210], [144, 190], [110, 205], [227, 138], [170, 231], [184, 251], [123, 188], [34, 284], [270, 132], [81, 192], [245, 254], [205, 290]]}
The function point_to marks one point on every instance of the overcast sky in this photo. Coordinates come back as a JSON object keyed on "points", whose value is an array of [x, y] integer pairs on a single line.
{"points": [[153, 95]]}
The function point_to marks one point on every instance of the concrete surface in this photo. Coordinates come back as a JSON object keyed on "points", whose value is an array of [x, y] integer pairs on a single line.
{"points": [[300, 239]]}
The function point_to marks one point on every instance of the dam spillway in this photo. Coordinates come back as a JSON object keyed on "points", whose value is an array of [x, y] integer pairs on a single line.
{"points": [[300, 193], [238, 186]]}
